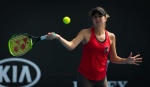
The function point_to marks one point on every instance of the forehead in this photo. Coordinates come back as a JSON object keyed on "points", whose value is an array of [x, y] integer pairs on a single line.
{"points": [[97, 13]]}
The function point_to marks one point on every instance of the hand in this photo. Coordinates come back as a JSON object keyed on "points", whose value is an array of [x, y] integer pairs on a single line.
{"points": [[52, 35], [134, 60]]}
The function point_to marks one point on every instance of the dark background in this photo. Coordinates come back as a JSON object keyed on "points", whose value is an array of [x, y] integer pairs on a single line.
{"points": [[129, 21]]}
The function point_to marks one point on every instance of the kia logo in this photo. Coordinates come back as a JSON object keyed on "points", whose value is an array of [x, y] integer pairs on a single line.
{"points": [[11, 73]]}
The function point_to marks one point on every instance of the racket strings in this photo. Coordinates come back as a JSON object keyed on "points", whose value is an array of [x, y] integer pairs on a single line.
{"points": [[20, 45]]}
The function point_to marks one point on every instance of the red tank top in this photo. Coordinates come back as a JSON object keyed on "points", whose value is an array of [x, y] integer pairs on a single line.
{"points": [[93, 64]]}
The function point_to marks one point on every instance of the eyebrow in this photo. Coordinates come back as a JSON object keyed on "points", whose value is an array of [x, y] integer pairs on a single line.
{"points": [[98, 15]]}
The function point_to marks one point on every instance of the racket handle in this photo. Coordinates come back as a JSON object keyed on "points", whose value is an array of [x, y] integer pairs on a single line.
{"points": [[43, 37]]}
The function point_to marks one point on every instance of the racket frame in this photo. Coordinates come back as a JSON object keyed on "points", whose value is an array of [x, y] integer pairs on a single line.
{"points": [[30, 45]]}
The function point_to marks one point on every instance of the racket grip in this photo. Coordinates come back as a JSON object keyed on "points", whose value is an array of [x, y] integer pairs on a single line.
{"points": [[43, 37]]}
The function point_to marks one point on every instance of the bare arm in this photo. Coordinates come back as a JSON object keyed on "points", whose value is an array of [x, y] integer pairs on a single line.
{"points": [[70, 45], [118, 60]]}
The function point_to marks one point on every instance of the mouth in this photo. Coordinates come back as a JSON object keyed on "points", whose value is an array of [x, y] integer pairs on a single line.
{"points": [[97, 22]]}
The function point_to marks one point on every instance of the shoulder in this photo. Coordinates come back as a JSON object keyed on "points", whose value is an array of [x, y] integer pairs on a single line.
{"points": [[85, 31], [111, 35]]}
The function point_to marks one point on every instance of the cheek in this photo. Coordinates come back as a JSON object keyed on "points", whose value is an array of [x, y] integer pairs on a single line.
{"points": [[93, 21], [104, 19]]}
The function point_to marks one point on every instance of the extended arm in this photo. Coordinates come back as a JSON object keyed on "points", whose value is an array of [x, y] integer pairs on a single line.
{"points": [[70, 45], [118, 60]]}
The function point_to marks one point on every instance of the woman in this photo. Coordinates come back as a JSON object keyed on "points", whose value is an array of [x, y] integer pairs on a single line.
{"points": [[97, 44]]}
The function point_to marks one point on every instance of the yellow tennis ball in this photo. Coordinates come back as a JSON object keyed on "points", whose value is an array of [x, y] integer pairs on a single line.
{"points": [[66, 20]]}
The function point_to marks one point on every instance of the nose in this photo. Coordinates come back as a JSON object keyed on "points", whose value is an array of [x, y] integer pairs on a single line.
{"points": [[98, 19]]}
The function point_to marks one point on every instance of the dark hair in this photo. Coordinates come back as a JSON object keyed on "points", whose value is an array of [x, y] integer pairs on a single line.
{"points": [[100, 10]]}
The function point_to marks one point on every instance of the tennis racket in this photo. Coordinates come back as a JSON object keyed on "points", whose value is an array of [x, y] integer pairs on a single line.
{"points": [[21, 44]]}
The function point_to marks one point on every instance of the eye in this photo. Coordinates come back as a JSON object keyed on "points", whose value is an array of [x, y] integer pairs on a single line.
{"points": [[94, 16], [100, 16]]}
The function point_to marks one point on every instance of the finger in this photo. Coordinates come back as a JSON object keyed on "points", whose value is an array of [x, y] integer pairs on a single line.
{"points": [[138, 58], [49, 32], [138, 61], [53, 34], [136, 64], [130, 55], [137, 55], [48, 35]]}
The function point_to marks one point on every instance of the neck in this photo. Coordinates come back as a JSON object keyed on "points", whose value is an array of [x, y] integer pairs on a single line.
{"points": [[99, 30]]}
